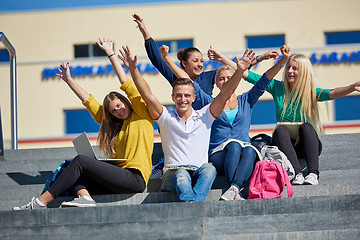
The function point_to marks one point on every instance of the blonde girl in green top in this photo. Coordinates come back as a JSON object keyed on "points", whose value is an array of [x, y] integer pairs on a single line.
{"points": [[296, 100]]}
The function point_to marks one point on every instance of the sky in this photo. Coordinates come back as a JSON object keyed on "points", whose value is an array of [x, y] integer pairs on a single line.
{"points": [[10, 6]]}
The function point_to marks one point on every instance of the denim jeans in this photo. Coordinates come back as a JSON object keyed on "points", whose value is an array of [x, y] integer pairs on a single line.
{"points": [[190, 186], [235, 162]]}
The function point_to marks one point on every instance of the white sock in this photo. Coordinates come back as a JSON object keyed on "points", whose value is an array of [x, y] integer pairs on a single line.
{"points": [[39, 202], [87, 198]]}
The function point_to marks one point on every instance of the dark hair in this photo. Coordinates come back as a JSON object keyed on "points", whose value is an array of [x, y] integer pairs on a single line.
{"points": [[183, 81], [184, 53]]}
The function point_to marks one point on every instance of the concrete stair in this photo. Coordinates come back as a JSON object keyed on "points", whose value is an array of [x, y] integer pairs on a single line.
{"points": [[327, 211]]}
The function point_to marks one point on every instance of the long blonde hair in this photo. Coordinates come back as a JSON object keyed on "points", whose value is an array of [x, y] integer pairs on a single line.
{"points": [[303, 92], [110, 125]]}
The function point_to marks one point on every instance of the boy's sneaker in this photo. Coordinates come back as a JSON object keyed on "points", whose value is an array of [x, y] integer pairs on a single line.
{"points": [[31, 205], [239, 196], [231, 194], [81, 201], [311, 179], [299, 179]]}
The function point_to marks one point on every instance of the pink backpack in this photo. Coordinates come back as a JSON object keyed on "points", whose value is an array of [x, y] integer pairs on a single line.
{"points": [[268, 181]]}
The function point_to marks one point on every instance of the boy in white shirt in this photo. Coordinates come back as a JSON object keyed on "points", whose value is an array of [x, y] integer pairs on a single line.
{"points": [[185, 133]]}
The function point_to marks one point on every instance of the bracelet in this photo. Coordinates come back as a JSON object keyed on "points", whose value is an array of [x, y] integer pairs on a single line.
{"points": [[111, 55], [257, 59], [281, 65]]}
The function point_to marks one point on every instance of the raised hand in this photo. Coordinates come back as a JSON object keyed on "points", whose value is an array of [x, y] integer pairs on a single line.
{"points": [[141, 25], [164, 51], [271, 54], [106, 45], [125, 56], [285, 51], [357, 86], [246, 60], [138, 20], [64, 72], [214, 55]]}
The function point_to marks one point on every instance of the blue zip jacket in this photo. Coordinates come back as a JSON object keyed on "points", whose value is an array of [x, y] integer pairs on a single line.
{"points": [[221, 129]]}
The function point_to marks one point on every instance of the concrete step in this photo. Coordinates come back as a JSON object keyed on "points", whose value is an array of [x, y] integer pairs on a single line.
{"points": [[18, 196], [339, 234], [294, 223], [188, 220], [108, 200]]}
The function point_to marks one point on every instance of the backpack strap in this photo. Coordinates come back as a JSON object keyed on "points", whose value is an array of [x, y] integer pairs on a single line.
{"points": [[285, 178], [289, 187]]}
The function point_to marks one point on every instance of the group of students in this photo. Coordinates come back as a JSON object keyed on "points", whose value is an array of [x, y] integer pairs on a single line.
{"points": [[200, 138]]}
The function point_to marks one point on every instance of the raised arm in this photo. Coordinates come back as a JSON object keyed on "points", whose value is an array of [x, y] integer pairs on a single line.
{"points": [[141, 26], [153, 52], [107, 46], [271, 73], [179, 73], [152, 103], [64, 74], [229, 87], [218, 56], [343, 91]]}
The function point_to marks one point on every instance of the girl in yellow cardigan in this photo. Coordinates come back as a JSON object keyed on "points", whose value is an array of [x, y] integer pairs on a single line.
{"points": [[126, 132]]}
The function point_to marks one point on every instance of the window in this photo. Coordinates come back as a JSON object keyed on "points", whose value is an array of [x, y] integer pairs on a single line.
{"points": [[265, 41], [342, 37], [88, 50], [263, 112], [175, 45], [4, 55], [78, 121], [345, 106]]}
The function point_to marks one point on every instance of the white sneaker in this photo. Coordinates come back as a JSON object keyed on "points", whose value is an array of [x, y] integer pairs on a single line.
{"points": [[31, 205], [239, 196], [79, 202], [311, 179], [230, 194], [299, 179]]}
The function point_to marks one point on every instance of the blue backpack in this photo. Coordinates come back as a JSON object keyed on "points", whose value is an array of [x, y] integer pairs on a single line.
{"points": [[57, 172]]}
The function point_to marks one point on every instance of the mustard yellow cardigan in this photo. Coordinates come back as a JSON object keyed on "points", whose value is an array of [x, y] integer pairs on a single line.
{"points": [[135, 140]]}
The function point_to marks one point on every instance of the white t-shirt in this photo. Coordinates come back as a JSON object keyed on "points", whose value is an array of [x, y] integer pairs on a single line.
{"points": [[185, 143]]}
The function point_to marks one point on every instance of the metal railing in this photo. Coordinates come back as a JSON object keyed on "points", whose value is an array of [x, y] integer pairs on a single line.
{"points": [[13, 90]]}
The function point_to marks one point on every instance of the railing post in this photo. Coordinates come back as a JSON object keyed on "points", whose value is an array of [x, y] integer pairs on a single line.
{"points": [[1, 138], [13, 90]]}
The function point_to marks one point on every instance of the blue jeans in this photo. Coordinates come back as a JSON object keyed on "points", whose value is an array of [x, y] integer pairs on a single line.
{"points": [[190, 186], [235, 162]]}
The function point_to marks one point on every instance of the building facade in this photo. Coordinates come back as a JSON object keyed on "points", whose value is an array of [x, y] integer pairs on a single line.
{"points": [[49, 113]]}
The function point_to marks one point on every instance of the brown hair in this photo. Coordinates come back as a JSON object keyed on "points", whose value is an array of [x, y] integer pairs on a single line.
{"points": [[184, 54], [110, 125], [183, 81]]}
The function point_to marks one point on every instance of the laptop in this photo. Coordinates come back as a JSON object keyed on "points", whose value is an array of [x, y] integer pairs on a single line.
{"points": [[293, 128], [83, 147]]}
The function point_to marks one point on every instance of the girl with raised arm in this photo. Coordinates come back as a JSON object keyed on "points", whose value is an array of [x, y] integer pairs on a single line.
{"points": [[191, 61], [295, 101], [126, 132]]}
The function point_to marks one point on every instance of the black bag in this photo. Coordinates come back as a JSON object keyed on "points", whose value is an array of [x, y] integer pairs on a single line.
{"points": [[260, 140]]}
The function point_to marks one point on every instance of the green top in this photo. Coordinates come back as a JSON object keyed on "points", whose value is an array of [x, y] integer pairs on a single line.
{"points": [[277, 90]]}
